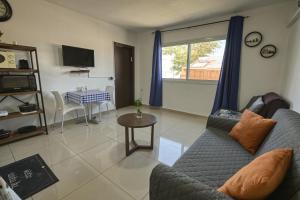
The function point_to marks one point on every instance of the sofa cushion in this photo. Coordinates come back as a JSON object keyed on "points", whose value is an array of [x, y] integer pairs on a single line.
{"points": [[213, 158], [286, 133], [261, 177], [251, 130], [257, 105]]}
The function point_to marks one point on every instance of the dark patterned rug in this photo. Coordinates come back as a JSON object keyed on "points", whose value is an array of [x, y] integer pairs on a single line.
{"points": [[28, 176]]}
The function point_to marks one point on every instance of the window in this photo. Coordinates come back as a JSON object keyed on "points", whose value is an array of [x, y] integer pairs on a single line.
{"points": [[193, 61]]}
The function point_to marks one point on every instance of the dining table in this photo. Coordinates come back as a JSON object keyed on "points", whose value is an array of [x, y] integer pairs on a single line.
{"points": [[88, 98]]}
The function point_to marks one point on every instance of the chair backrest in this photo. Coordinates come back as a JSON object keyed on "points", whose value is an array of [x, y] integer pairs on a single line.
{"points": [[110, 89], [59, 100]]}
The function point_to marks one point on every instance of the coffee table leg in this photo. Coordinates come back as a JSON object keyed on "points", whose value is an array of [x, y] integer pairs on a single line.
{"points": [[127, 141], [152, 136], [132, 134]]}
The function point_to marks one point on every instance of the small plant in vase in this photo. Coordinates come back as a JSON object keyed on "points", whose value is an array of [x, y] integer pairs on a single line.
{"points": [[138, 104]]}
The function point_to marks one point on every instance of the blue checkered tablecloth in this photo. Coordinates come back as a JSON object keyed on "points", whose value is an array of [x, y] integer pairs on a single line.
{"points": [[89, 96]]}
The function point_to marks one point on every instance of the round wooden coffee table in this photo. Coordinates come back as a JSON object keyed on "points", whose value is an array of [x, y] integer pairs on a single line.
{"points": [[131, 121]]}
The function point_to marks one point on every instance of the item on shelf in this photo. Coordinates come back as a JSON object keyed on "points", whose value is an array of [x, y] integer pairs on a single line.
{"points": [[23, 64], [17, 83], [4, 133], [253, 39], [3, 113], [26, 129], [268, 51], [28, 108], [7, 59]]}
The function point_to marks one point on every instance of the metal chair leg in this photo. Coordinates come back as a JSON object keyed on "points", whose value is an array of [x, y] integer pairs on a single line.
{"points": [[86, 121], [115, 108], [77, 114], [62, 123], [100, 112], [54, 120]]}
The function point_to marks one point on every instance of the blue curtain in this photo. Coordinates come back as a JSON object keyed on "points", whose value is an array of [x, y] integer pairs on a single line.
{"points": [[156, 82], [228, 85]]}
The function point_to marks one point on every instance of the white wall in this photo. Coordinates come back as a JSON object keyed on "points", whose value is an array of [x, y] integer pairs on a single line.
{"points": [[258, 75], [48, 26], [291, 89]]}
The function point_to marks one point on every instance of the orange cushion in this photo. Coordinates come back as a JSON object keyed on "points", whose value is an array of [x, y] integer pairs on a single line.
{"points": [[259, 178], [251, 130]]}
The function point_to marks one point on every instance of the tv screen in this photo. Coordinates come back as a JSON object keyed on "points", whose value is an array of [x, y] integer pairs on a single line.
{"points": [[77, 57]]}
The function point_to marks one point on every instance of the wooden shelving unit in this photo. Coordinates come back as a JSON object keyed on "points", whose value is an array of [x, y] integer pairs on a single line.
{"points": [[42, 129], [16, 136], [17, 47], [18, 70], [19, 93], [14, 115]]}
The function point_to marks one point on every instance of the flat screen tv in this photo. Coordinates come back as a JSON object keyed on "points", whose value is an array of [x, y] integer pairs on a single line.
{"points": [[77, 57]]}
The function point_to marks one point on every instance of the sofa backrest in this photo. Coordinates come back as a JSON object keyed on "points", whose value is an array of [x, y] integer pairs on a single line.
{"points": [[286, 133]]}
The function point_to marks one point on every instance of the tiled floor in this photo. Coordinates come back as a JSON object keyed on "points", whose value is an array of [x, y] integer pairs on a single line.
{"points": [[90, 162]]}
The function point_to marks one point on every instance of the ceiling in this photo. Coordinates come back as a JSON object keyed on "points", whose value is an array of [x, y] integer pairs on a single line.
{"points": [[149, 14]]}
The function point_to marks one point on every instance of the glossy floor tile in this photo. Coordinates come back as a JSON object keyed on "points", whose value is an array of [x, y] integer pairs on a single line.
{"points": [[6, 162], [132, 174], [90, 161], [166, 151], [146, 197], [31, 144], [100, 189], [104, 155], [5, 154], [83, 142], [72, 173], [52, 153]]}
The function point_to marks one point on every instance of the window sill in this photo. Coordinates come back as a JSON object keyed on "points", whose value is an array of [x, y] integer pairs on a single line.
{"points": [[200, 82]]}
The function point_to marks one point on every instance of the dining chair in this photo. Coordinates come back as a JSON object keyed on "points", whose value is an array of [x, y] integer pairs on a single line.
{"points": [[64, 108], [110, 90]]}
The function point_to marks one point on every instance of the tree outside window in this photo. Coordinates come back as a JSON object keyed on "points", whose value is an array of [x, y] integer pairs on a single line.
{"points": [[198, 61]]}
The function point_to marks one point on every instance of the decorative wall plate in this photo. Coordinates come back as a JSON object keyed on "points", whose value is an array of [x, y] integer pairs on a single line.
{"points": [[268, 51], [253, 39], [5, 11]]}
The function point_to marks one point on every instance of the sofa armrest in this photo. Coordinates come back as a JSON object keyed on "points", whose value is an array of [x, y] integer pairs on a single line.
{"points": [[222, 123], [168, 184]]}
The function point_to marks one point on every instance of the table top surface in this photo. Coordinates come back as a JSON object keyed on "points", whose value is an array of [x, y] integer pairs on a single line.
{"points": [[88, 92], [130, 120]]}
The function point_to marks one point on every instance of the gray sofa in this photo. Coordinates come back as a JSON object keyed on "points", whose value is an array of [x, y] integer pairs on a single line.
{"points": [[215, 157]]}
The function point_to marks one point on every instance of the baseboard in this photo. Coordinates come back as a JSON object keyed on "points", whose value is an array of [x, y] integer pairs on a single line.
{"points": [[175, 111]]}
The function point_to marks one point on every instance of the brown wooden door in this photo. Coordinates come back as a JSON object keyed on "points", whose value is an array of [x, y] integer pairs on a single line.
{"points": [[124, 74]]}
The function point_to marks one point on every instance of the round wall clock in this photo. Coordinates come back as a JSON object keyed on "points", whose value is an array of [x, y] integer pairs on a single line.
{"points": [[5, 11], [253, 39], [268, 51]]}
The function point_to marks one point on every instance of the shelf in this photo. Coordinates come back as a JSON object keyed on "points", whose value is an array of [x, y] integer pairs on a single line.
{"points": [[18, 114], [18, 93], [80, 71], [18, 70], [17, 47], [15, 136]]}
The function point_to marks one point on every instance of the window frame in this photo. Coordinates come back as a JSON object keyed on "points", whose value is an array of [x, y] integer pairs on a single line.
{"points": [[189, 43]]}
